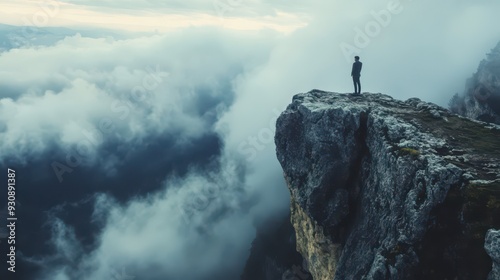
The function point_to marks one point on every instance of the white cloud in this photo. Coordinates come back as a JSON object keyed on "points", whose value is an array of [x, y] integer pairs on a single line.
{"points": [[197, 222], [427, 50], [127, 89]]}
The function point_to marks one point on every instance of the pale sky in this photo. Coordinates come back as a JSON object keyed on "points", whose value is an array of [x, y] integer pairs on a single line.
{"points": [[139, 16]]}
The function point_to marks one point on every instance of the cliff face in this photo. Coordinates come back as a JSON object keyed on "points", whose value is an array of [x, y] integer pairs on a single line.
{"points": [[386, 189], [273, 255], [481, 98]]}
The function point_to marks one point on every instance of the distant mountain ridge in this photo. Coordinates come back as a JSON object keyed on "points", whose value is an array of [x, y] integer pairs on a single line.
{"points": [[481, 98]]}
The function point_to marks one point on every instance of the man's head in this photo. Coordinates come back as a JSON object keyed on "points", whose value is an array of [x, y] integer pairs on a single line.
{"points": [[356, 58]]}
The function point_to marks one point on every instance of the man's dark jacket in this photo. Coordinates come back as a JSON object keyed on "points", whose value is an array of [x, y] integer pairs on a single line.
{"points": [[356, 69]]}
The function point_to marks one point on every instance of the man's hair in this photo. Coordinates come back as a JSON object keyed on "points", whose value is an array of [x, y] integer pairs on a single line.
{"points": [[356, 57]]}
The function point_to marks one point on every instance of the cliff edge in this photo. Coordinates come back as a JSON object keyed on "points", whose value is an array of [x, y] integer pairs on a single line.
{"points": [[388, 189]]}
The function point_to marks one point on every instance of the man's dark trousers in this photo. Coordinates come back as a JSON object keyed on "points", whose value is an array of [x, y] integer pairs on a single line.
{"points": [[357, 84]]}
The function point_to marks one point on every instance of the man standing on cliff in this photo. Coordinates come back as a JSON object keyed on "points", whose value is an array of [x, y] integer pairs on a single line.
{"points": [[355, 74]]}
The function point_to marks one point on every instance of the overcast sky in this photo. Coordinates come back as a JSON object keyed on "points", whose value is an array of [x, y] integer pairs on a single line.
{"points": [[151, 15], [153, 152]]}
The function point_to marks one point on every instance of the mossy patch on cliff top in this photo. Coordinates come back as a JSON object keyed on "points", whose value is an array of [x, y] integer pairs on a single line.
{"points": [[462, 133], [409, 151]]}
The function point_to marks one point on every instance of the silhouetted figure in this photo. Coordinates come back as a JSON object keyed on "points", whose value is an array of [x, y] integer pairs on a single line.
{"points": [[356, 73]]}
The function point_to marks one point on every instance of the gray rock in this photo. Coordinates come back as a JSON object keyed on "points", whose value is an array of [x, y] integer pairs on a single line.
{"points": [[492, 246], [388, 189]]}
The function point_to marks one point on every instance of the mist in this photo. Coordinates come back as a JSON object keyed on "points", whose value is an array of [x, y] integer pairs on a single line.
{"points": [[152, 155]]}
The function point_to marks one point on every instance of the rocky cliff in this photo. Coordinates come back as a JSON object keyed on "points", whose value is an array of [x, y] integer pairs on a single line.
{"points": [[481, 98], [386, 189]]}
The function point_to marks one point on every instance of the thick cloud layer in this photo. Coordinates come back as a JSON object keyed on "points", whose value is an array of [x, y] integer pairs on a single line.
{"points": [[153, 156], [126, 89], [131, 119]]}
